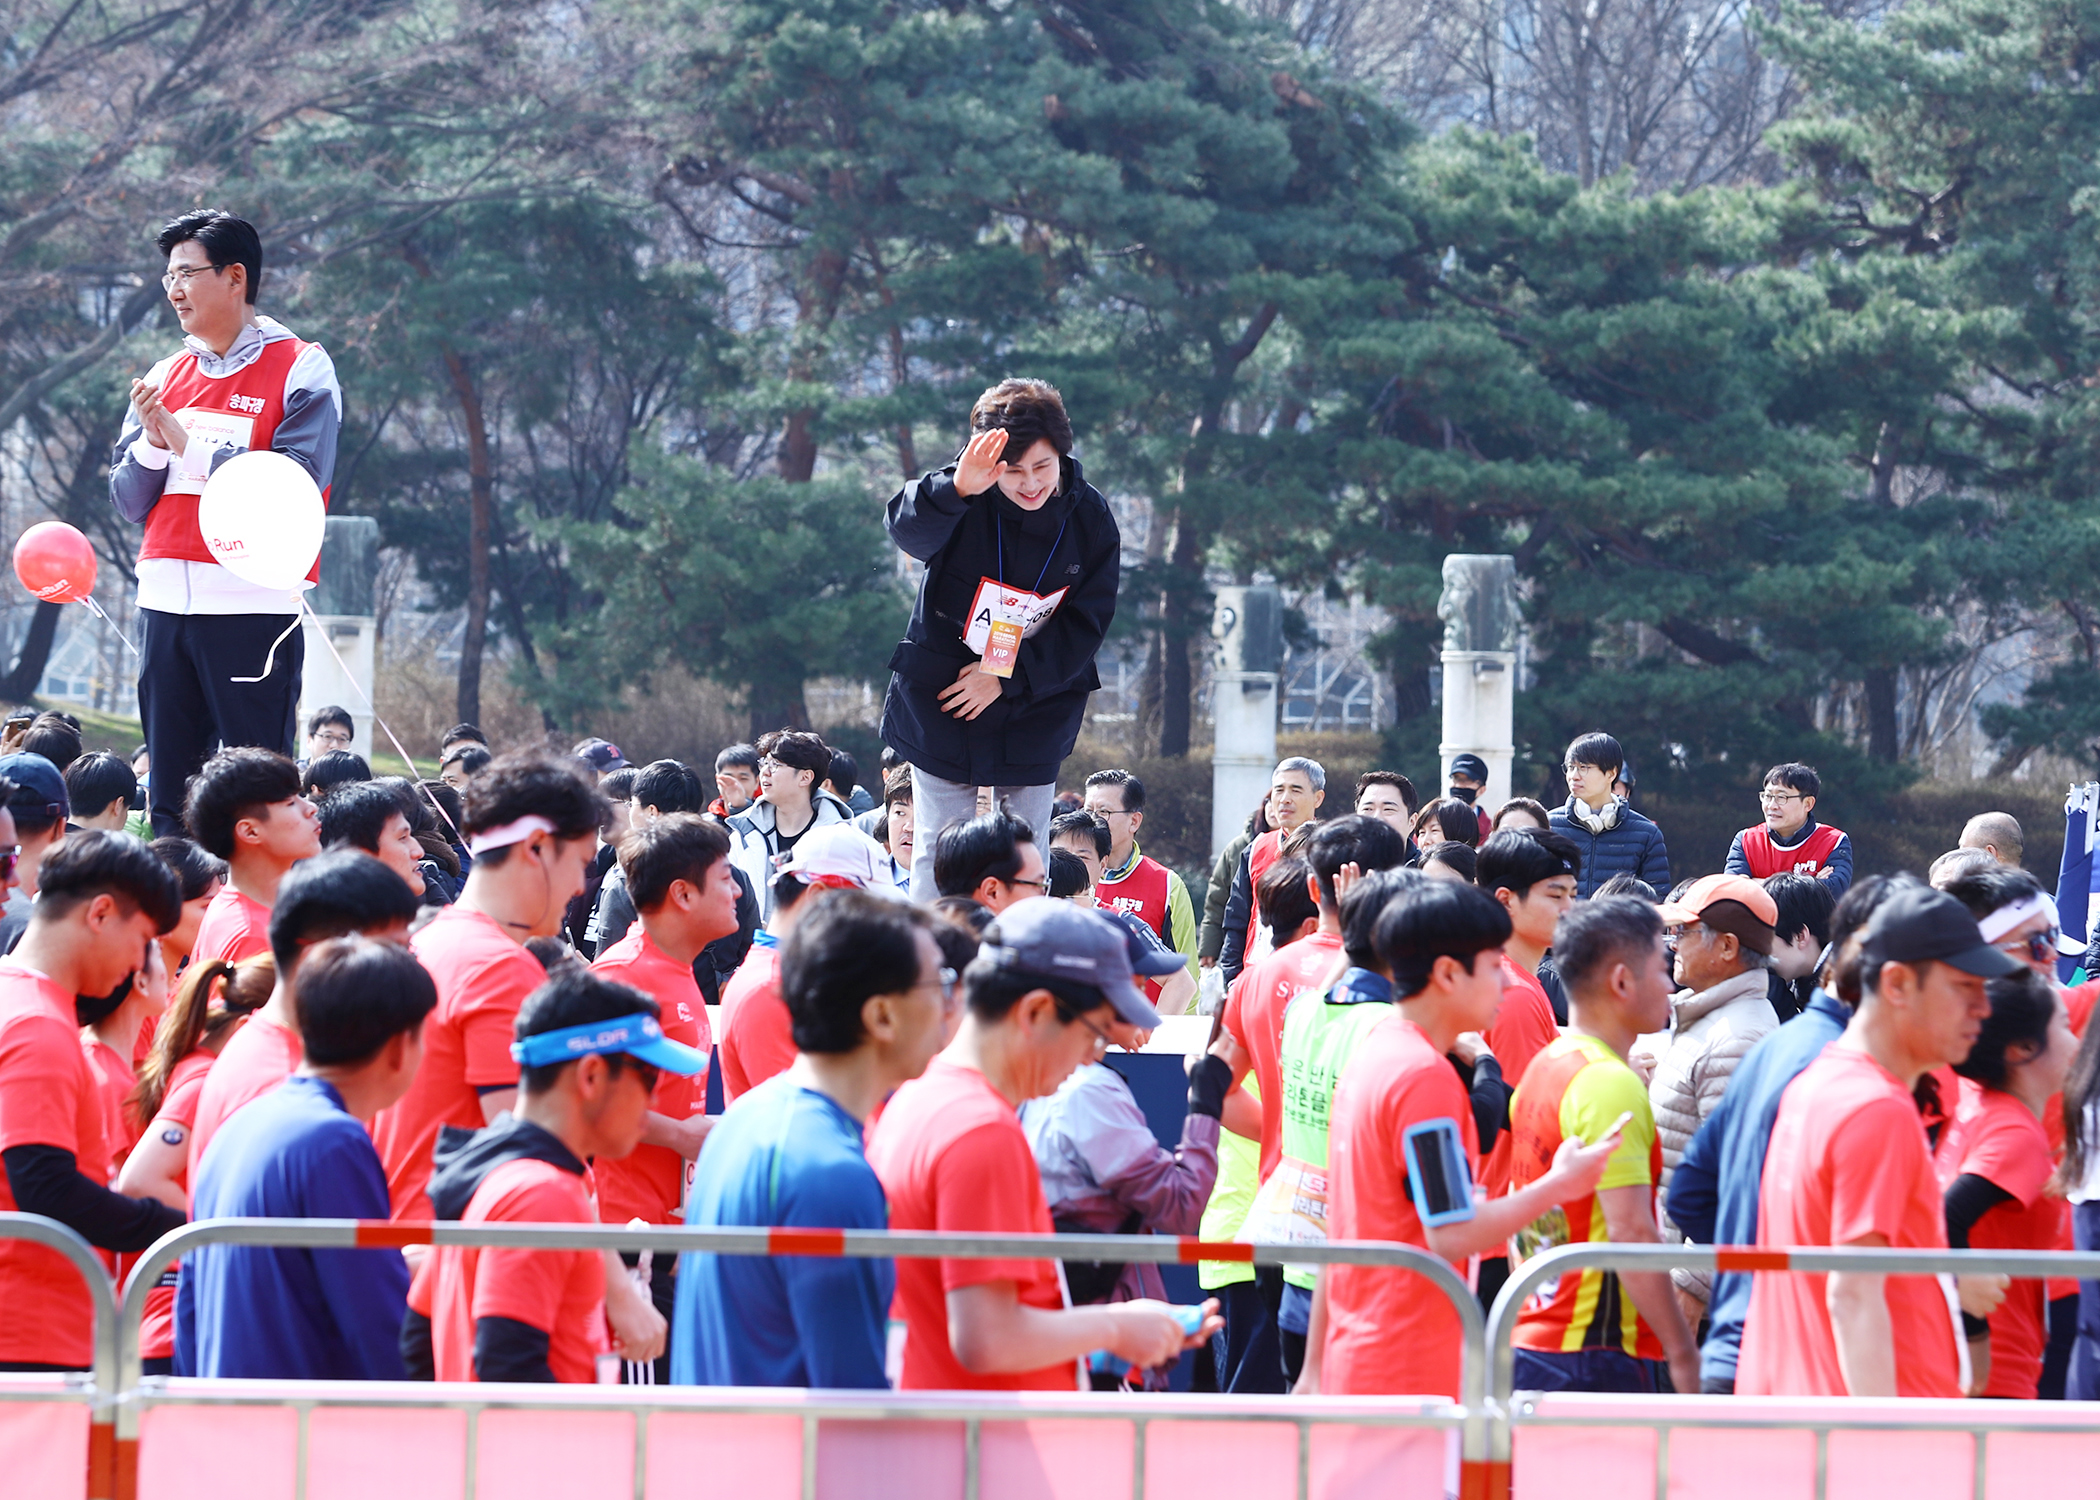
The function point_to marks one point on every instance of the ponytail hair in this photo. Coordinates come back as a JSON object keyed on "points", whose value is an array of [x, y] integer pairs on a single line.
{"points": [[210, 1000]]}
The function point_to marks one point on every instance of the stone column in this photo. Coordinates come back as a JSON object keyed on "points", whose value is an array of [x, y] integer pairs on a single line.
{"points": [[342, 603], [1481, 617], [1248, 629]]}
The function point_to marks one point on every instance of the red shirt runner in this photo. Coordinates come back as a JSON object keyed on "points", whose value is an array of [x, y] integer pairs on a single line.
{"points": [[953, 1159], [233, 928], [482, 979], [1254, 1010], [559, 1292], [758, 1038], [261, 1055], [1848, 1158], [1996, 1137], [1389, 1333], [650, 1184], [47, 1098]]}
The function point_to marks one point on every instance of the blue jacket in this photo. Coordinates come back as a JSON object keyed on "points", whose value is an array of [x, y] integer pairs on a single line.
{"points": [[1633, 845], [1714, 1192], [291, 1314]]}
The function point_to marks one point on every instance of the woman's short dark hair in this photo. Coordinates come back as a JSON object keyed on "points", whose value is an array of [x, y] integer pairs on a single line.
{"points": [[1520, 804], [235, 784], [354, 994], [799, 750], [446, 802], [1026, 410], [574, 996], [53, 738], [194, 869], [964, 911], [1625, 884], [471, 758], [1516, 859], [356, 812], [669, 786], [848, 948], [226, 239], [845, 772], [1361, 906], [94, 781], [1455, 820], [532, 784], [2023, 1007], [1596, 749], [1283, 896], [1453, 855], [618, 786], [682, 846], [96, 862], [1435, 919], [1592, 935]]}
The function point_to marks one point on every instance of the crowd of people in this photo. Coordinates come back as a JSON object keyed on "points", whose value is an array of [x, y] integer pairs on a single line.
{"points": [[496, 995]]}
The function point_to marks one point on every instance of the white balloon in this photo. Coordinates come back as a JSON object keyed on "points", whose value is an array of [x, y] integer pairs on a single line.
{"points": [[263, 520]]}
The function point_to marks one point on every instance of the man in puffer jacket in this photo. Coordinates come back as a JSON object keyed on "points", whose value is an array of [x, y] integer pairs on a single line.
{"points": [[1613, 838], [1724, 936]]}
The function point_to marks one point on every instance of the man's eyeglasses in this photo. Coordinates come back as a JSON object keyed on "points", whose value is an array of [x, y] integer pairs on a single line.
{"points": [[944, 980], [184, 276], [1041, 885], [1774, 799], [334, 739], [9, 858], [1102, 1040]]}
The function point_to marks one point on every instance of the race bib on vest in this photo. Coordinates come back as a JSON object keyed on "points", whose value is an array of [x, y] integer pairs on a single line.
{"points": [[209, 431]]}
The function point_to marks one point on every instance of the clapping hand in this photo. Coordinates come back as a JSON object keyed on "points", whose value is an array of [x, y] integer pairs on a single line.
{"points": [[161, 428]]}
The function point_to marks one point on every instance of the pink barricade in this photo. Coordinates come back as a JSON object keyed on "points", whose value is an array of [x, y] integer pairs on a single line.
{"points": [[57, 1432], [240, 1440]]}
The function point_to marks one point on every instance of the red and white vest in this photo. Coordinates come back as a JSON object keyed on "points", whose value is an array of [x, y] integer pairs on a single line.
{"points": [[238, 411], [1143, 892], [1808, 857]]}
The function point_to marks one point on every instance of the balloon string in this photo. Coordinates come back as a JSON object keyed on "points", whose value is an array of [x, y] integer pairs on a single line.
{"points": [[355, 687], [123, 635], [270, 661]]}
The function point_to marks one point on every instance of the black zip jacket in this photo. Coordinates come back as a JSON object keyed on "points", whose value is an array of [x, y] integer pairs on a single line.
{"points": [[1071, 543]]}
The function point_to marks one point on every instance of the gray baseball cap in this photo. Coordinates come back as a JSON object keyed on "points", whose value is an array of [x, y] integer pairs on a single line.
{"points": [[1055, 940]]}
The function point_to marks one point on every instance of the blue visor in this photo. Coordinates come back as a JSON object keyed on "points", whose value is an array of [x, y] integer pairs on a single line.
{"points": [[637, 1035]]}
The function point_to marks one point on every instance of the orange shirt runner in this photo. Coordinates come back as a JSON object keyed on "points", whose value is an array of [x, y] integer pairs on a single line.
{"points": [[178, 1110], [260, 1056], [47, 1098], [482, 980], [650, 1184], [234, 928], [1254, 1010], [1848, 1159], [953, 1158], [758, 1038], [1389, 1333]]}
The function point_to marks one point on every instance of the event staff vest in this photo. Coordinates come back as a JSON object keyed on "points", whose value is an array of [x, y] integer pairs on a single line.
{"points": [[239, 411], [1142, 892], [1766, 858], [1261, 854], [1320, 1035]]}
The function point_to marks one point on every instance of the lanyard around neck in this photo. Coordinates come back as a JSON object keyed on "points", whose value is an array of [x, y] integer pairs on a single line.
{"points": [[999, 563]]}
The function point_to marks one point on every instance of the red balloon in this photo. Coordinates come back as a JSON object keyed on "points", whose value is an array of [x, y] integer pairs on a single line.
{"points": [[55, 562]]}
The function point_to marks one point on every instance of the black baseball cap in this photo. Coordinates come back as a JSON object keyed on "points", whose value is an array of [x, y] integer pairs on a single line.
{"points": [[1919, 924], [1470, 765]]}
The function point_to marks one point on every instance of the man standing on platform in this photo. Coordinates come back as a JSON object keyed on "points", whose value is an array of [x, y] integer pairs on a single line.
{"points": [[242, 382], [990, 684]]}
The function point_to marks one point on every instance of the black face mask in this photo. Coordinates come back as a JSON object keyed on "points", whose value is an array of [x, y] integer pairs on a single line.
{"points": [[88, 1010], [1465, 794]]}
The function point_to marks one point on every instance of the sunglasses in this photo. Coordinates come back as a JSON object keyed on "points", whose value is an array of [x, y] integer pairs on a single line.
{"points": [[2036, 947], [10, 857]]}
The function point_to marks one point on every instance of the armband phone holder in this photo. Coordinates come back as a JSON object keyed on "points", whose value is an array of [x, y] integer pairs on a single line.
{"points": [[1438, 1177]]}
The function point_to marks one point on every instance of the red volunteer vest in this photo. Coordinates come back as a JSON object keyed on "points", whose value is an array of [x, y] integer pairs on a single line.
{"points": [[240, 412], [1142, 892], [1766, 858], [1260, 855]]}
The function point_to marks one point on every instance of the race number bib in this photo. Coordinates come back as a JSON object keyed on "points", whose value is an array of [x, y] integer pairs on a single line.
{"points": [[1001, 618], [1290, 1209], [209, 431]]}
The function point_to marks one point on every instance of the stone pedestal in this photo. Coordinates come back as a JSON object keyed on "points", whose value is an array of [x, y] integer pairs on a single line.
{"points": [[1481, 617], [1248, 629], [343, 617]]}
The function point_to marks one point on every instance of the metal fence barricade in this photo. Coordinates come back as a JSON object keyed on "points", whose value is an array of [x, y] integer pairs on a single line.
{"points": [[40, 1416], [1694, 1447], [315, 1441]]}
